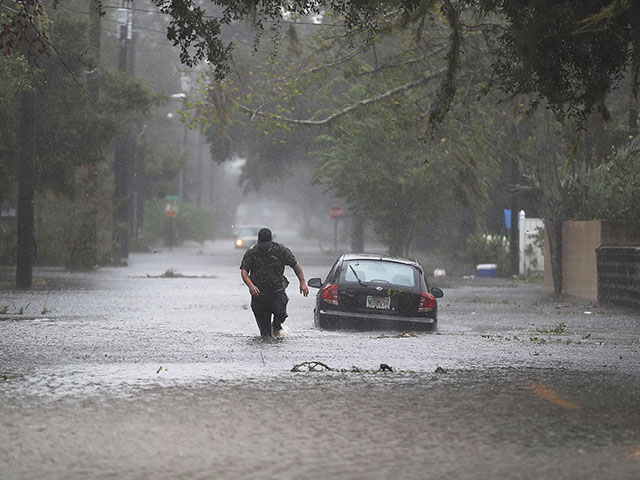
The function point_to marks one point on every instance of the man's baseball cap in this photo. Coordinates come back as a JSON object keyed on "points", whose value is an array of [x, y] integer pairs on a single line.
{"points": [[264, 238]]}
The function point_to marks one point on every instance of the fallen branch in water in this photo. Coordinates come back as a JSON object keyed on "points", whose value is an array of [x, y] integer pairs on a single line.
{"points": [[400, 335], [323, 367], [171, 273]]}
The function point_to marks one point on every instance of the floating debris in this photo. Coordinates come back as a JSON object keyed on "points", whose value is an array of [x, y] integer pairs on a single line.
{"points": [[323, 367], [400, 335], [312, 367], [171, 273]]}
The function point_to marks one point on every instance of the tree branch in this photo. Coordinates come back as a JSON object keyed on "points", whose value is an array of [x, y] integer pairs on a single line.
{"points": [[411, 61], [346, 110], [326, 65], [447, 91]]}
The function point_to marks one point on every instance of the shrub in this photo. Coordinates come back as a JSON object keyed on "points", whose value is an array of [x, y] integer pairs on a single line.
{"points": [[610, 190], [191, 223], [487, 248], [8, 241]]}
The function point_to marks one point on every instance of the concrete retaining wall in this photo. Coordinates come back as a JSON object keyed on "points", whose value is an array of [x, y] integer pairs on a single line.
{"points": [[579, 271], [579, 266]]}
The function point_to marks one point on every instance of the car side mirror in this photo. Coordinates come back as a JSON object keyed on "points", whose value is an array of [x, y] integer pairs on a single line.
{"points": [[437, 292], [315, 282]]}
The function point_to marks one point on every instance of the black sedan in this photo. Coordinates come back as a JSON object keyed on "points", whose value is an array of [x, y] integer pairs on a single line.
{"points": [[367, 291]]}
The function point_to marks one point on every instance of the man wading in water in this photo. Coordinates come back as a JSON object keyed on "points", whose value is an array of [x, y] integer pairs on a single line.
{"points": [[262, 270]]}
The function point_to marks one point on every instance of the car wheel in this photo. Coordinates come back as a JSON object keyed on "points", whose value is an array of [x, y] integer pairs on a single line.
{"points": [[324, 324]]}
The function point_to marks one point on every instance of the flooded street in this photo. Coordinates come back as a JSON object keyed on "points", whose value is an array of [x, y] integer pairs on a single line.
{"points": [[156, 370]]}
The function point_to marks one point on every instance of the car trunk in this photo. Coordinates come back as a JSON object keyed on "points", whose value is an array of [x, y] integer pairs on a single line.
{"points": [[379, 300]]}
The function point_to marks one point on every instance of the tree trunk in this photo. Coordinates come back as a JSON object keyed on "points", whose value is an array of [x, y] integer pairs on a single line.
{"points": [[123, 201], [26, 187], [357, 233], [84, 253], [26, 250], [551, 197], [633, 98], [139, 190], [514, 237], [595, 140], [554, 236]]}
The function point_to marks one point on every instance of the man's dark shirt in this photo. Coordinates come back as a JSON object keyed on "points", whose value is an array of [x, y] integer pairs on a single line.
{"points": [[266, 268]]}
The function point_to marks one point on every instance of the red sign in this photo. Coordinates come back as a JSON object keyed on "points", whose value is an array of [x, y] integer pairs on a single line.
{"points": [[335, 212], [171, 210]]}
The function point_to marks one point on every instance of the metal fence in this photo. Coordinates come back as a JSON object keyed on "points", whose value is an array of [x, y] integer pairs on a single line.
{"points": [[619, 276]]}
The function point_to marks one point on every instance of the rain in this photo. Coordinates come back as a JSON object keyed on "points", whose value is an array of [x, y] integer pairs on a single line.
{"points": [[131, 158]]}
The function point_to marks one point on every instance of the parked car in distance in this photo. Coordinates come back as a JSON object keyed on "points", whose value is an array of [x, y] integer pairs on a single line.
{"points": [[368, 291], [245, 236]]}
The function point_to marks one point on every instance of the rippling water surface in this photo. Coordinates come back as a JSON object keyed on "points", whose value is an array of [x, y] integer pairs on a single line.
{"points": [[126, 374]]}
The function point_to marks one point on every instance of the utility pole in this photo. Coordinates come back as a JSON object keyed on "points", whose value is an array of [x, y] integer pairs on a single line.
{"points": [[124, 146]]}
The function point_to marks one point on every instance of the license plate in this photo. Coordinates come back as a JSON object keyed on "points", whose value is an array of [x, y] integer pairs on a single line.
{"points": [[381, 303]]}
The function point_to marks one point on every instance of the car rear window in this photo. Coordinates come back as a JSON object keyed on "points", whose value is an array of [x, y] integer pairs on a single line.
{"points": [[383, 272], [247, 232]]}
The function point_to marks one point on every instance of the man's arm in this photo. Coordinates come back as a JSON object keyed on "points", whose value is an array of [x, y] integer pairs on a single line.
{"points": [[253, 290], [304, 290]]}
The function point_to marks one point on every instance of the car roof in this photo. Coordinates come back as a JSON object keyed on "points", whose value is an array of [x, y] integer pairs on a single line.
{"points": [[374, 256], [246, 227]]}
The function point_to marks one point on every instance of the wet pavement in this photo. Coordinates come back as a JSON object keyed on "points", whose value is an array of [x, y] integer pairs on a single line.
{"points": [[132, 373]]}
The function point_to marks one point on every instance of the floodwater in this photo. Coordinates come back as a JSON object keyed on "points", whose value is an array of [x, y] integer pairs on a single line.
{"points": [[128, 373]]}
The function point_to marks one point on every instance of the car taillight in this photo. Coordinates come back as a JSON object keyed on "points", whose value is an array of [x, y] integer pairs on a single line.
{"points": [[427, 302], [330, 294]]}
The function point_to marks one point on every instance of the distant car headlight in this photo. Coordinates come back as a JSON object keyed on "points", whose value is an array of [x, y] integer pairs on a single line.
{"points": [[239, 242]]}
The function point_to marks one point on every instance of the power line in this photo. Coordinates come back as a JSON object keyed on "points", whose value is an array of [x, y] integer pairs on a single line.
{"points": [[81, 12], [158, 12]]}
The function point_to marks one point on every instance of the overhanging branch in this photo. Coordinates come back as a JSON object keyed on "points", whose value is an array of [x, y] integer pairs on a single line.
{"points": [[341, 113], [447, 90]]}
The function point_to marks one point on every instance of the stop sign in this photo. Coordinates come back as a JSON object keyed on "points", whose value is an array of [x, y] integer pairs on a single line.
{"points": [[335, 212], [171, 209]]}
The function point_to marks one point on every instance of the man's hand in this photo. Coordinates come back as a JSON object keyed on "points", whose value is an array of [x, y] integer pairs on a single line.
{"points": [[304, 290], [254, 291]]}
